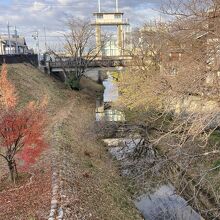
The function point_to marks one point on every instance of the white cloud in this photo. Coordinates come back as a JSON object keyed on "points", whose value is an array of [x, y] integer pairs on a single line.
{"points": [[37, 6], [64, 2], [32, 15]]}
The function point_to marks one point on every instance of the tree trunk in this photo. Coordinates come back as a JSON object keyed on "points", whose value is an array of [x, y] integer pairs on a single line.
{"points": [[13, 170]]}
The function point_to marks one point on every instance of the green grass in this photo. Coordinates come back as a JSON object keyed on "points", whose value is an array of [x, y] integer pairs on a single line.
{"points": [[215, 137], [216, 164], [116, 75]]}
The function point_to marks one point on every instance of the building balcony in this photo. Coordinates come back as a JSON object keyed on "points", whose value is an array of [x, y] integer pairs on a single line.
{"points": [[110, 22], [109, 19]]}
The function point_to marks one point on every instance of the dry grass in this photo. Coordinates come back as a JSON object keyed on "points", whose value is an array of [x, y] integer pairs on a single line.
{"points": [[91, 179], [95, 188], [90, 85]]}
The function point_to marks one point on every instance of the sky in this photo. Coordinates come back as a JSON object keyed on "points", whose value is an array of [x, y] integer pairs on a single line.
{"points": [[30, 16]]}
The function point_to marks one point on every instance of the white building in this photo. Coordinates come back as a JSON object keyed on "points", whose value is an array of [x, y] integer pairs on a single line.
{"points": [[13, 45]]}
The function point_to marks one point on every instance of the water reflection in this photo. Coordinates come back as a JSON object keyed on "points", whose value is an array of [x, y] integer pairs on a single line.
{"points": [[121, 148], [110, 115], [110, 95], [111, 92], [165, 204]]}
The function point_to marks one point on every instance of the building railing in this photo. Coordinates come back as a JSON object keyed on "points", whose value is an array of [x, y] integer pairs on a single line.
{"points": [[110, 22]]}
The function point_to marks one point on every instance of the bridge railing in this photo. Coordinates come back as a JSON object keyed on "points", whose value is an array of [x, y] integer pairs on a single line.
{"points": [[93, 64]]}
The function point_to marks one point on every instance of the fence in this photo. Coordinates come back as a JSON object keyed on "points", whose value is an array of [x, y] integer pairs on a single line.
{"points": [[19, 58]]}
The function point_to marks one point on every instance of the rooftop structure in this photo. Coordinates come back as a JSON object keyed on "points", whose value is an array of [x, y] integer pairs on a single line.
{"points": [[13, 45], [110, 19]]}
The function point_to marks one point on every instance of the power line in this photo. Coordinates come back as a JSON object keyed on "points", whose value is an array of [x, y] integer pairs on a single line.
{"points": [[52, 36], [44, 4]]}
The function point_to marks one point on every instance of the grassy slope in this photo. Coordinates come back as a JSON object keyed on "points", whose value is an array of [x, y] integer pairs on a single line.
{"points": [[92, 177]]}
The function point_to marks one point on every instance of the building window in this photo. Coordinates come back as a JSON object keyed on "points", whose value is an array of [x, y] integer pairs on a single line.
{"points": [[117, 16], [100, 16]]}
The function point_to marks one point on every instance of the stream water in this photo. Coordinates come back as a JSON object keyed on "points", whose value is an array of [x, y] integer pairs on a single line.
{"points": [[103, 109], [165, 204], [162, 203]]}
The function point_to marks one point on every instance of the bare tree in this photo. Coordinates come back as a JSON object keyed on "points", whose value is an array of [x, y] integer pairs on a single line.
{"points": [[81, 49], [173, 87]]}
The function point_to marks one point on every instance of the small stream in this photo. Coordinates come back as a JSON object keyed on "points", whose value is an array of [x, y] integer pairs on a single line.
{"points": [[165, 204], [162, 203], [103, 109]]}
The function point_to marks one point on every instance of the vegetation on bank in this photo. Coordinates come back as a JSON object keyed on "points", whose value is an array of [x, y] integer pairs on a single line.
{"points": [[93, 184], [172, 88], [21, 131]]}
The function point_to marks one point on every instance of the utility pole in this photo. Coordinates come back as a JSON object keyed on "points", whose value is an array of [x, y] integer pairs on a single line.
{"points": [[38, 48], [99, 4], [9, 38], [45, 38], [36, 37], [16, 41]]}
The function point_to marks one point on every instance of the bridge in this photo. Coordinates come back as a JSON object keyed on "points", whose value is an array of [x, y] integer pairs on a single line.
{"points": [[112, 56], [104, 62], [57, 67], [111, 64]]}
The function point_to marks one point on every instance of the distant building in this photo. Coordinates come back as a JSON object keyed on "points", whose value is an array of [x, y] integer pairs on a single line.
{"points": [[205, 43], [116, 46], [15, 45]]}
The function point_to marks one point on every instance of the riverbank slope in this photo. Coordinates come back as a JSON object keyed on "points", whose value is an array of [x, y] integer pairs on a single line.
{"points": [[92, 185]]}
